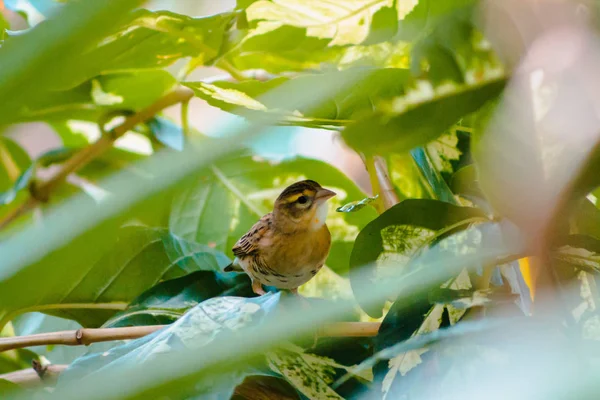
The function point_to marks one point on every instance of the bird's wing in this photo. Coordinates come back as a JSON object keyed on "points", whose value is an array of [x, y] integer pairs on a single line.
{"points": [[248, 244]]}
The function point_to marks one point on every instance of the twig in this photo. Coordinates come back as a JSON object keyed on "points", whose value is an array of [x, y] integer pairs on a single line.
{"points": [[78, 337], [30, 377], [41, 192], [87, 336], [381, 183], [386, 187]]}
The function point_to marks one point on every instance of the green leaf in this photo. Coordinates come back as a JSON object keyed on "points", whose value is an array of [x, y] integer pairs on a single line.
{"points": [[398, 234], [169, 300], [357, 205], [13, 160], [344, 107], [131, 91], [139, 258], [198, 328], [167, 133], [7, 388], [420, 115], [406, 176], [311, 374], [426, 14], [228, 198], [339, 21], [147, 40], [34, 61], [438, 187]]}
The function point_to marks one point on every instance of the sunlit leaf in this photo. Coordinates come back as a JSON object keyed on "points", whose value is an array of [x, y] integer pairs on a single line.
{"points": [[342, 108]]}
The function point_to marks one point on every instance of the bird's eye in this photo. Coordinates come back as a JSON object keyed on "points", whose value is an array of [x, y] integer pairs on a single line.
{"points": [[302, 199]]}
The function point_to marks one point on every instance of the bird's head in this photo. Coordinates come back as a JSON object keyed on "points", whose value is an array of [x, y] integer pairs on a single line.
{"points": [[303, 204]]}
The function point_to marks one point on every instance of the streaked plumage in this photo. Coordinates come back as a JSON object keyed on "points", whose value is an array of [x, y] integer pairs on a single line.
{"points": [[288, 246]]}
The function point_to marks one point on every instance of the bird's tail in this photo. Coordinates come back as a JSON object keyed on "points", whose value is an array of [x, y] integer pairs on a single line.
{"points": [[234, 266]]}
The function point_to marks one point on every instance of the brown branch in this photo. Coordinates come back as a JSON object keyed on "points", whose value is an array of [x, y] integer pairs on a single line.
{"points": [[386, 187], [41, 192], [31, 377], [87, 336], [78, 337]]}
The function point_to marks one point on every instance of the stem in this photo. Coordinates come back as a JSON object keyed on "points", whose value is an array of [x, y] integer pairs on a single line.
{"points": [[30, 377], [371, 169], [386, 187], [87, 336], [41, 192], [12, 169]]}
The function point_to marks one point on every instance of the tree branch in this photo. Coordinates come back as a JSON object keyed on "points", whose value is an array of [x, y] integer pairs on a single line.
{"points": [[30, 377], [87, 336], [41, 192], [381, 183]]}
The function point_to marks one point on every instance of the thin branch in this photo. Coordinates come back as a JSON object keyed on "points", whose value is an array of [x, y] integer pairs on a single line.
{"points": [[30, 377], [41, 192], [386, 187], [87, 336]]}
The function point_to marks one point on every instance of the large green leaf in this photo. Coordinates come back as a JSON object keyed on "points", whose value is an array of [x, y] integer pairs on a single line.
{"points": [[169, 300], [124, 91], [139, 258], [198, 328], [341, 22], [420, 115], [342, 108], [228, 198], [397, 235], [148, 40], [34, 61]]}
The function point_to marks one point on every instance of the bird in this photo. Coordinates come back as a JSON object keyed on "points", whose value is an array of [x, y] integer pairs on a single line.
{"points": [[288, 246]]}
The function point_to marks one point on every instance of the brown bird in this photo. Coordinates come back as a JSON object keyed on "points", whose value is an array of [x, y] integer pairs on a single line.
{"points": [[288, 246]]}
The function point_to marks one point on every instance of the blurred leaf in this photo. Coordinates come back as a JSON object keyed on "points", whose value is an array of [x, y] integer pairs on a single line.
{"points": [[343, 107], [226, 200], [398, 234], [70, 136], [216, 317], [139, 258], [4, 25], [426, 14], [356, 205], [28, 73], [131, 91], [6, 387], [167, 133], [13, 160], [14, 360], [406, 176], [340, 21], [420, 115], [309, 373], [148, 40], [169, 300]]}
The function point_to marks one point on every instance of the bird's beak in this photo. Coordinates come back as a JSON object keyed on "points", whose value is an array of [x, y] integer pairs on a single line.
{"points": [[324, 194]]}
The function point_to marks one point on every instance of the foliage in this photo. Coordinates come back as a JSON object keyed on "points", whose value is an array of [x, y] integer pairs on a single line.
{"points": [[483, 199]]}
